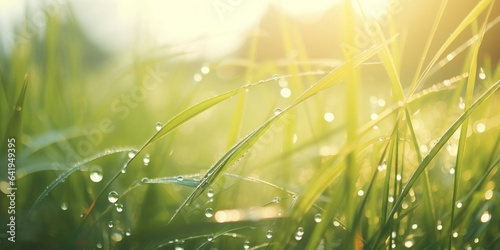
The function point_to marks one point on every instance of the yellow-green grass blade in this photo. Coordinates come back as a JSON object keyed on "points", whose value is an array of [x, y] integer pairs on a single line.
{"points": [[238, 112], [428, 158], [473, 14], [463, 132]]}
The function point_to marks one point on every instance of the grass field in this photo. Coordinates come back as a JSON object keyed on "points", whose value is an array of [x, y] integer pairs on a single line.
{"points": [[350, 132]]}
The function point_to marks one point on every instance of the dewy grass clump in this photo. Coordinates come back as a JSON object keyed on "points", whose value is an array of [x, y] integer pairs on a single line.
{"points": [[354, 129]]}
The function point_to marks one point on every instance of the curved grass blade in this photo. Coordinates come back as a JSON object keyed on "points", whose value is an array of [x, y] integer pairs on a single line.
{"points": [[15, 125], [428, 158], [238, 151], [65, 175]]}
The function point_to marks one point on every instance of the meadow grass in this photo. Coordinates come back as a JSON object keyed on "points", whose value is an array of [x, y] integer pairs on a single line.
{"points": [[296, 155]]}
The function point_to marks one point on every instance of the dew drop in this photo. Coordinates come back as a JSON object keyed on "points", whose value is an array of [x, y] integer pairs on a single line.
{"points": [[318, 218], [476, 240], [111, 224], [414, 226], [285, 92], [276, 200], [146, 160], [64, 206], [197, 77], [113, 196], [277, 111], [439, 227], [124, 170], [210, 238], [336, 223], [131, 154], [482, 75], [361, 192], [300, 231], [180, 178], [329, 117], [298, 237], [246, 244], [275, 77], [117, 236], [98, 244], [158, 126], [119, 207], [480, 127], [205, 69], [269, 234], [455, 234], [461, 104], [485, 217], [459, 204], [209, 212], [408, 244], [374, 116], [96, 173], [210, 193], [144, 180], [128, 233]]}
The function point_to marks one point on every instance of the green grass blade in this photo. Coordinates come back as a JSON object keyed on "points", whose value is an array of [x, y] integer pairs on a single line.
{"points": [[66, 174], [15, 124], [463, 132]]}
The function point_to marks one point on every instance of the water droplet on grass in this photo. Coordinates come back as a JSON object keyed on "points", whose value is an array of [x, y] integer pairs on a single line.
{"points": [[285, 92], [128, 233], [277, 111], [482, 75], [210, 193], [485, 217], [113, 196], [131, 154], [269, 234], [361, 192], [276, 200], [246, 244], [119, 207], [96, 173], [205, 69], [64, 206], [329, 117], [318, 218], [210, 238], [300, 231], [158, 126], [111, 224], [455, 235], [197, 77], [180, 178], [144, 180], [209, 212], [146, 160], [275, 77], [117, 236]]}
